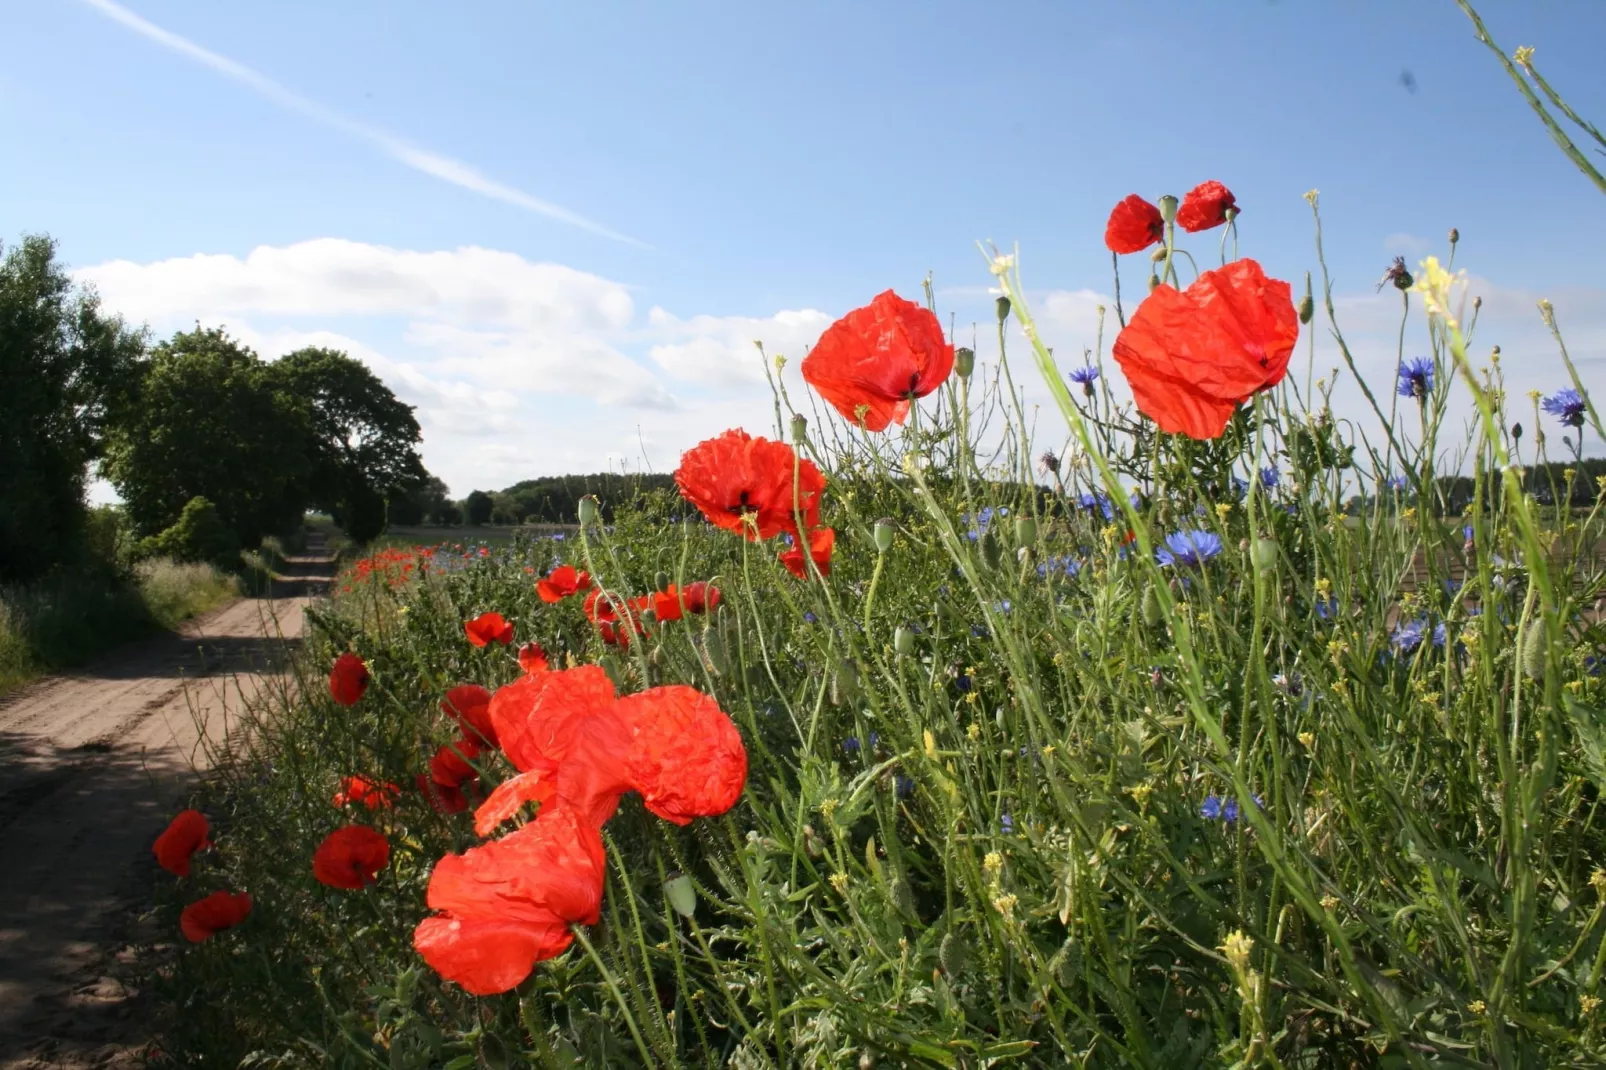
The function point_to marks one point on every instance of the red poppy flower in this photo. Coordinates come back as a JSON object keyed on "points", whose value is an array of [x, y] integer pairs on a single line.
{"points": [[489, 628], [664, 604], [470, 706], [508, 904], [450, 764], [445, 798], [744, 484], [184, 835], [1134, 225], [348, 679], [349, 857], [564, 581], [821, 543], [532, 658], [1205, 206], [1193, 356], [608, 611], [218, 911], [878, 359], [701, 597], [539, 718], [686, 757], [370, 793]]}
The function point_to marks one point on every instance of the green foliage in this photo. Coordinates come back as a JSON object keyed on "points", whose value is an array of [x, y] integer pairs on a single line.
{"points": [[199, 535], [65, 366], [425, 502], [208, 422], [477, 508], [556, 499], [362, 513]]}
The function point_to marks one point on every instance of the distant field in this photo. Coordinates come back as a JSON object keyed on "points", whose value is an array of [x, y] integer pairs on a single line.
{"points": [[485, 535]]}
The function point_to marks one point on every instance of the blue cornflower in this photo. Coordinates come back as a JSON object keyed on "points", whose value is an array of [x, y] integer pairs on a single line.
{"points": [[1568, 404], [1007, 823], [963, 683], [1416, 378], [851, 744], [1396, 482], [1408, 636], [978, 632], [1188, 548], [1269, 478], [809, 616], [1099, 503], [1065, 565], [1327, 608], [904, 786], [1593, 664], [1466, 533], [1085, 375], [1003, 607], [1210, 809], [1240, 486]]}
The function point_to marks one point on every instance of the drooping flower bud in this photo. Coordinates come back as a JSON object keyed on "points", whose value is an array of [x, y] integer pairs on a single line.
{"points": [[1154, 282], [800, 428], [588, 510], [1263, 553], [991, 552], [1002, 305], [1168, 208], [1158, 255], [1455, 235], [1533, 650], [964, 361], [1307, 304], [661, 581], [953, 954], [682, 895], [883, 532], [1153, 612], [903, 640], [1516, 432], [1025, 531], [844, 683]]}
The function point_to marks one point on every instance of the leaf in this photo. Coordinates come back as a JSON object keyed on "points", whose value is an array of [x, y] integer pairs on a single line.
{"points": [[1590, 724]]}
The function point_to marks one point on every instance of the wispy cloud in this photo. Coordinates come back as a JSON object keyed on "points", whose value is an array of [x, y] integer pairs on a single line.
{"points": [[444, 168]]}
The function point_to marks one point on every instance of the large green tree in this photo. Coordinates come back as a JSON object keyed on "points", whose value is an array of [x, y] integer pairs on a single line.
{"points": [[66, 367], [210, 421]]}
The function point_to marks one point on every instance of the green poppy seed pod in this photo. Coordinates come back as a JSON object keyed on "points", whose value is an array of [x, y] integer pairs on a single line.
{"points": [[661, 581], [991, 552], [1516, 432], [1154, 282], [1168, 208], [1455, 235], [964, 361], [953, 954], [902, 897], [883, 536], [844, 683], [588, 510], [1533, 650], [1002, 305], [903, 640], [1153, 612], [682, 895], [1025, 531], [1263, 553], [1307, 308], [800, 428]]}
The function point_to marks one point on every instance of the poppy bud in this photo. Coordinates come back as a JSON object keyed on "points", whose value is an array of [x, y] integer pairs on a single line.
{"points": [[1154, 282], [844, 683], [713, 650], [1263, 553], [1168, 208], [682, 895], [812, 842], [588, 510], [991, 552], [884, 532], [800, 428], [1002, 304], [953, 954], [649, 616], [661, 581], [1153, 612], [1455, 235], [902, 897], [1516, 431], [1533, 650], [964, 361], [1477, 303], [903, 641], [1025, 531], [1307, 309], [1158, 255]]}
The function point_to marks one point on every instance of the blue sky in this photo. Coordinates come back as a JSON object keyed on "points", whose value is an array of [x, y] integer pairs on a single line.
{"points": [[651, 185]]}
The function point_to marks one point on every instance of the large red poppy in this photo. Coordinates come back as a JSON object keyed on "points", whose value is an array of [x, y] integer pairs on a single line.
{"points": [[878, 359], [686, 757], [1134, 225], [564, 581], [1205, 206], [184, 835], [489, 628], [508, 904], [470, 706], [348, 679], [218, 911], [821, 542], [1193, 356], [744, 484], [349, 857], [539, 718], [373, 794]]}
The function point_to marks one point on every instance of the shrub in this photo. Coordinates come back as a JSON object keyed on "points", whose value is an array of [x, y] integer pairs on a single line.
{"points": [[199, 535]]}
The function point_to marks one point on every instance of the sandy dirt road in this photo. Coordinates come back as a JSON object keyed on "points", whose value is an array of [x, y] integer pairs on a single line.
{"points": [[92, 766]]}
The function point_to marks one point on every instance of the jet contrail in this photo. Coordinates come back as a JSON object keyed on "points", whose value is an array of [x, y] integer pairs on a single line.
{"points": [[443, 168]]}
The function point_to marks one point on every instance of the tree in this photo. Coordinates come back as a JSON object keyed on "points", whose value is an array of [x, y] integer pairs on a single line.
{"points": [[420, 502], [208, 422], [477, 507], [65, 366], [364, 440]]}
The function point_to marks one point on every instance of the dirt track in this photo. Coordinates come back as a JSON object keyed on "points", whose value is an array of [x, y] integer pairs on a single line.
{"points": [[92, 765]]}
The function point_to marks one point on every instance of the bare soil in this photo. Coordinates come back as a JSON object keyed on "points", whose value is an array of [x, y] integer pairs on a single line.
{"points": [[92, 766]]}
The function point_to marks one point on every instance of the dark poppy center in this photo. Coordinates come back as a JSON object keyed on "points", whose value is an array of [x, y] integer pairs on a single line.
{"points": [[742, 506], [914, 383]]}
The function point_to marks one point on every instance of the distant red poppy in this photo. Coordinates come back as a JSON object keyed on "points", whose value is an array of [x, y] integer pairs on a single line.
{"points": [[470, 706], [370, 793], [532, 658], [489, 628], [218, 911], [616, 618], [744, 484], [686, 757], [348, 679], [1205, 206], [664, 604], [701, 597], [349, 857], [445, 798], [450, 765], [1134, 225], [564, 581], [878, 359], [1193, 356], [508, 904], [821, 542], [184, 835]]}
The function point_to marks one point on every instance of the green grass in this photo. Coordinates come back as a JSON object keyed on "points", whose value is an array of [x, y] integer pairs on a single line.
{"points": [[483, 535], [986, 812]]}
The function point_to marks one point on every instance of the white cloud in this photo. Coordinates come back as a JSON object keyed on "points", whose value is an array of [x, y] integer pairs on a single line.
{"points": [[721, 351]]}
